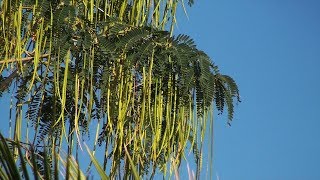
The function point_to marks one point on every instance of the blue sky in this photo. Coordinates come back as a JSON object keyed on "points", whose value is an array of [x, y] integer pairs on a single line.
{"points": [[272, 49]]}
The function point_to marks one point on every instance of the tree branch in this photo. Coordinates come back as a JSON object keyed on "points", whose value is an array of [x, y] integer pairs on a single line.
{"points": [[22, 59], [5, 83]]}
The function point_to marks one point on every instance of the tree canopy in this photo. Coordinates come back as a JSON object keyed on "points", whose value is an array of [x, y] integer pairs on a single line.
{"points": [[69, 64]]}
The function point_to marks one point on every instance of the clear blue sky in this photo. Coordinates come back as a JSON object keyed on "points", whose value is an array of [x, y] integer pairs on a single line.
{"points": [[272, 49]]}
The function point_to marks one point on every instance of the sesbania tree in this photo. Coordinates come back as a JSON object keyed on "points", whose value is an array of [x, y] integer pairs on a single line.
{"points": [[68, 64]]}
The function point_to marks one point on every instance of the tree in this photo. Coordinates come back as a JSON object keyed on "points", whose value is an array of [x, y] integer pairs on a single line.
{"points": [[72, 63]]}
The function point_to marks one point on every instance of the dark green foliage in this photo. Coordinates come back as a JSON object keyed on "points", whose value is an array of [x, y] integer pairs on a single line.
{"points": [[8, 166], [176, 60], [37, 163]]}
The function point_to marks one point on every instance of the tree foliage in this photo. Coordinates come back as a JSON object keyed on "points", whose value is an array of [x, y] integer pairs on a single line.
{"points": [[70, 64]]}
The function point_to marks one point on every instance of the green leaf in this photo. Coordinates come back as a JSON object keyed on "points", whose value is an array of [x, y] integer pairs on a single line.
{"points": [[96, 164]]}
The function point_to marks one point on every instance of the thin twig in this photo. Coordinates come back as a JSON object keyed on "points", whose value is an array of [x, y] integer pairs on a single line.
{"points": [[22, 59], [4, 84]]}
